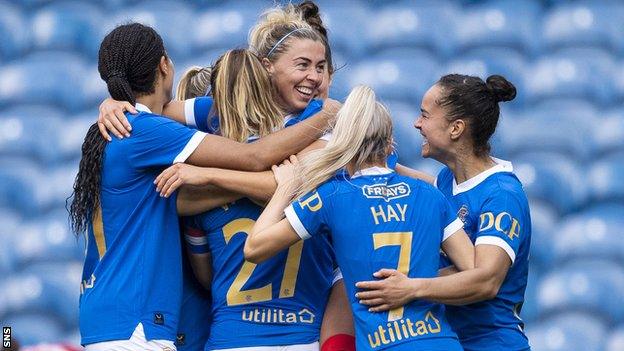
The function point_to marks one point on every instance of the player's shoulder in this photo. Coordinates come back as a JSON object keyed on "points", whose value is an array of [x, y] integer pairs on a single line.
{"points": [[146, 120], [220, 216], [504, 189]]}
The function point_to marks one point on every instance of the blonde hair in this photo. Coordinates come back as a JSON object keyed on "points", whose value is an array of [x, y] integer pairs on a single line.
{"points": [[277, 26], [241, 89], [362, 134], [193, 83]]}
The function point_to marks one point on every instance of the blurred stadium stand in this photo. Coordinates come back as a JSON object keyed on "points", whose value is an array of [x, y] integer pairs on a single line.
{"points": [[564, 131]]}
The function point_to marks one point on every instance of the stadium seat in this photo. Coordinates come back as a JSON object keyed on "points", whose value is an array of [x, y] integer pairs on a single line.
{"points": [[61, 280], [94, 89], [497, 23], [608, 133], [31, 131], [70, 25], [605, 181], [44, 77], [19, 182], [74, 131], [584, 285], [341, 33], [615, 341], [587, 23], [485, 62], [414, 24], [47, 240], [24, 293], [530, 310], [552, 129], [407, 138], [582, 73], [427, 165], [170, 19], [566, 332], [401, 74], [553, 179], [35, 328], [14, 31], [543, 232], [594, 232], [225, 26]]}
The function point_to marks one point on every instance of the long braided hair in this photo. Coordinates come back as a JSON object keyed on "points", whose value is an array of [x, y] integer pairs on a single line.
{"points": [[128, 62]]}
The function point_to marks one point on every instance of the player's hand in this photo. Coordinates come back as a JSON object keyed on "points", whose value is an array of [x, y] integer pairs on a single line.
{"points": [[331, 107], [394, 290], [112, 118], [177, 175], [285, 174]]}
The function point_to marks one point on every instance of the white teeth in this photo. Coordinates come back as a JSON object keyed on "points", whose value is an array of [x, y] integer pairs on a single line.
{"points": [[304, 90]]}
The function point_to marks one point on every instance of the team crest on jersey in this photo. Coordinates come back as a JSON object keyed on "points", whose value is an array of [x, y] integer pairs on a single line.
{"points": [[386, 191], [462, 213]]}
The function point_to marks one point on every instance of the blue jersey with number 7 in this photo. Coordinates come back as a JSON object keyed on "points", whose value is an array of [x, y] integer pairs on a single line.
{"points": [[378, 219]]}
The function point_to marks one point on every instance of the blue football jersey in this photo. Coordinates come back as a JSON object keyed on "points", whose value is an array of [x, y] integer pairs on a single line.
{"points": [[198, 113], [379, 219], [132, 272], [194, 324], [495, 211], [278, 302]]}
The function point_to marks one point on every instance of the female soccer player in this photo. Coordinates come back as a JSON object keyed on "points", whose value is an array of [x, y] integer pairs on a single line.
{"points": [[375, 218], [130, 293], [459, 115], [194, 83]]}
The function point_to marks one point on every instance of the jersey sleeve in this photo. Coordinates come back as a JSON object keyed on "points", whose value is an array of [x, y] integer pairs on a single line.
{"points": [[500, 224], [160, 142], [449, 218], [195, 237], [306, 215], [196, 113]]}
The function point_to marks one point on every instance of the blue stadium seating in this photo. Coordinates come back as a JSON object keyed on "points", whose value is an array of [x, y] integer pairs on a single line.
{"points": [[35, 328], [407, 138], [60, 285], [498, 23], [484, 62], [608, 132], [583, 285], [73, 26], [544, 231], [585, 24], [414, 24], [44, 77], [605, 178], [594, 232], [14, 32], [341, 35], [551, 178], [402, 74], [615, 342], [582, 73], [170, 19], [553, 129], [24, 293], [566, 332], [19, 186], [224, 26], [530, 309], [18, 136]]}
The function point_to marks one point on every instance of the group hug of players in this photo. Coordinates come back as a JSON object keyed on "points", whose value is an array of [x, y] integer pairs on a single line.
{"points": [[198, 240]]}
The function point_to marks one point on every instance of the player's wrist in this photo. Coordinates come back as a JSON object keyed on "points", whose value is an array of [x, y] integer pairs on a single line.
{"points": [[418, 288]]}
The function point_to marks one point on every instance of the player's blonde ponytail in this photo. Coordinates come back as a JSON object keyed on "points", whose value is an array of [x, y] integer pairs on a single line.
{"points": [[362, 134], [194, 82], [242, 89]]}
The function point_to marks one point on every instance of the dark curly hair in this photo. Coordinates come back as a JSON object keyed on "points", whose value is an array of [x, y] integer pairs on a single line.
{"points": [[128, 61]]}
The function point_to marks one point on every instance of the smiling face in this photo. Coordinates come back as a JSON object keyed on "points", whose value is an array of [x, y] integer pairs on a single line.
{"points": [[434, 126], [298, 73]]}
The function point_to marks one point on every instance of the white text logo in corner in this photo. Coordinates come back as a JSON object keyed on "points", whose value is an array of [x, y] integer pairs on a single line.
{"points": [[386, 191]]}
